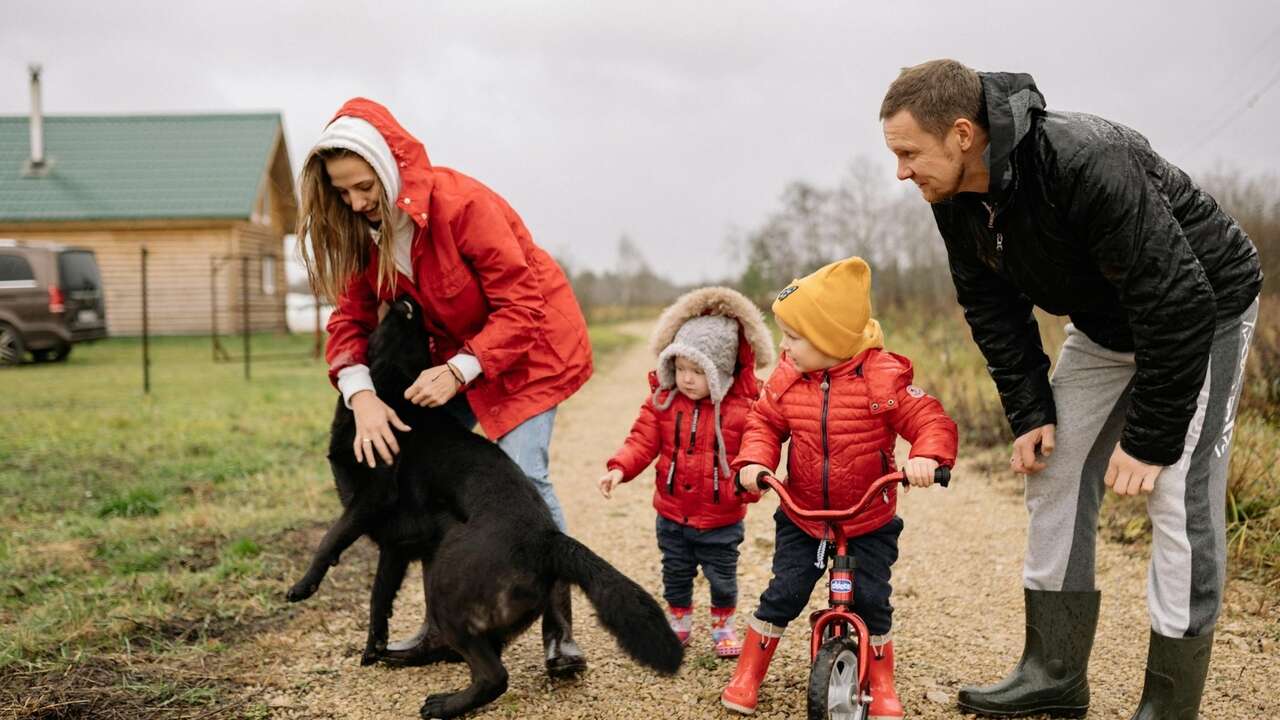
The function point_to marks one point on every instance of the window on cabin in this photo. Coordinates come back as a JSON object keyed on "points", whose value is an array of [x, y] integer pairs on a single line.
{"points": [[268, 275]]}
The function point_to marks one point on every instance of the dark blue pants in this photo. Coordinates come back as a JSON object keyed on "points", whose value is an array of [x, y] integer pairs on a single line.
{"points": [[684, 548], [795, 574]]}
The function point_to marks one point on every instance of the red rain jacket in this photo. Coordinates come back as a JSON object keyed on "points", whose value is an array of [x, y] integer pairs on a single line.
{"points": [[843, 423], [482, 283], [694, 494]]}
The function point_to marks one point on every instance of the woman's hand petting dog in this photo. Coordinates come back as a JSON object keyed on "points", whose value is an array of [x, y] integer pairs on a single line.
{"points": [[434, 386], [373, 429]]}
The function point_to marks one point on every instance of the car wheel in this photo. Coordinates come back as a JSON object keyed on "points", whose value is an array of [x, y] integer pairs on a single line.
{"points": [[55, 354], [12, 348]]}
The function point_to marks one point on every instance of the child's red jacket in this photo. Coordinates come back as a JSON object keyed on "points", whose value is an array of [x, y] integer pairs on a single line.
{"points": [[843, 423], [690, 488]]}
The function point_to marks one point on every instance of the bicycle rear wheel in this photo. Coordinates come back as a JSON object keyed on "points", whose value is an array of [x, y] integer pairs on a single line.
{"points": [[834, 693]]}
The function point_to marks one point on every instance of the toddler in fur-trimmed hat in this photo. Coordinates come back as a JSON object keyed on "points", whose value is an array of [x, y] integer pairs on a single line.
{"points": [[708, 346]]}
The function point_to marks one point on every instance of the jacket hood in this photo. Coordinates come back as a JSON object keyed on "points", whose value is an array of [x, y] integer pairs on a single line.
{"points": [[755, 342], [410, 155], [756, 352], [1012, 100]]}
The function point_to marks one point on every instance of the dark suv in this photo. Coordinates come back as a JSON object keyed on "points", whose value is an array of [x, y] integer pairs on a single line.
{"points": [[50, 297]]}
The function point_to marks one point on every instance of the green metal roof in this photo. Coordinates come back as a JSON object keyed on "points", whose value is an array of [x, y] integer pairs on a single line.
{"points": [[136, 166]]}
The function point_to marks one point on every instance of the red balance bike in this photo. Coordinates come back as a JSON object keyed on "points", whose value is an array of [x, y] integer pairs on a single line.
{"points": [[839, 643]]}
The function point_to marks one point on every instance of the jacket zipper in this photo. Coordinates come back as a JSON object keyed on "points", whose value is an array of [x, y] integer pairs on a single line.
{"points": [[884, 470], [826, 451], [693, 429], [1000, 236], [675, 455], [715, 470], [991, 225]]}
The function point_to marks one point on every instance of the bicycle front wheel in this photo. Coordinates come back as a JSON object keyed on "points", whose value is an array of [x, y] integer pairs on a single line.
{"points": [[834, 693]]}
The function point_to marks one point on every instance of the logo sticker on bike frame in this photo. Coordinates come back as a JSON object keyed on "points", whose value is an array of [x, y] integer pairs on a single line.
{"points": [[842, 586]]}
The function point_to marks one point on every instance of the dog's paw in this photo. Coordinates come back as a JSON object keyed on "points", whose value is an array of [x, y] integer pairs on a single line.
{"points": [[434, 707], [301, 591]]}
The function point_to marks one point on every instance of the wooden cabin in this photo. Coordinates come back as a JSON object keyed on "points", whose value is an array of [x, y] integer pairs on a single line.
{"points": [[211, 198]]}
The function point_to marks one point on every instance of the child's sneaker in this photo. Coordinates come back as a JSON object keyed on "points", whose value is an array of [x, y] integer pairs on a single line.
{"points": [[681, 621], [726, 638]]}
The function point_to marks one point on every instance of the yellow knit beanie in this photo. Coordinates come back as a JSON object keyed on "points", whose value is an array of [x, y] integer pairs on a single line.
{"points": [[831, 308]]}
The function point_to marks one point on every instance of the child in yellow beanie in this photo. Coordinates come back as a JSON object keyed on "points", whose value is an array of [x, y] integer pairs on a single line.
{"points": [[843, 401]]}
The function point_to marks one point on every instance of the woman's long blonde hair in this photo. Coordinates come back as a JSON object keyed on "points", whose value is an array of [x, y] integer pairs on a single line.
{"points": [[333, 239]]}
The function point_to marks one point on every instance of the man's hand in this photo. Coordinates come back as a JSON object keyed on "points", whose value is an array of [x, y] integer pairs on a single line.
{"points": [[1024, 459], [919, 472], [1127, 475], [609, 481], [748, 474], [434, 387]]}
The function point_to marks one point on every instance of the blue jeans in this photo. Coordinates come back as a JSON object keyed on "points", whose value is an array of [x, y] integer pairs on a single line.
{"points": [[684, 548], [528, 445]]}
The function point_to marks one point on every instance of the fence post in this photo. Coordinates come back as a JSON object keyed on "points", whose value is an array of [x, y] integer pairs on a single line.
{"points": [[244, 310], [213, 305], [146, 345]]}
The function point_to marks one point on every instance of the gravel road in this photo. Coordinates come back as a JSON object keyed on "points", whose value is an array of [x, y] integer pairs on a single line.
{"points": [[957, 596]]}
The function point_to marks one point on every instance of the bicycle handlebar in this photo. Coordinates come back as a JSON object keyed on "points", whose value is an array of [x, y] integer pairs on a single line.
{"points": [[766, 480]]}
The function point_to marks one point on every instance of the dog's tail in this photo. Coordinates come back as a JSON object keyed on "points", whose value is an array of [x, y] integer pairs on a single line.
{"points": [[628, 612]]}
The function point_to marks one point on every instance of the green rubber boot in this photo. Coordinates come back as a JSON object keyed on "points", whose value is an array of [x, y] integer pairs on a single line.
{"points": [[1052, 676], [1176, 668]]}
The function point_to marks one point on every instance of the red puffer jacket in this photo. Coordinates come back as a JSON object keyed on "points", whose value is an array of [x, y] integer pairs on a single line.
{"points": [[689, 488], [843, 423], [483, 287]]}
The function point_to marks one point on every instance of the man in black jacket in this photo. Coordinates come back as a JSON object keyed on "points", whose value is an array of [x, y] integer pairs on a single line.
{"points": [[1079, 216]]}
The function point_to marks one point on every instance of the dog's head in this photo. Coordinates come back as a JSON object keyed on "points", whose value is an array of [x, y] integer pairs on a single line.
{"points": [[399, 349]]}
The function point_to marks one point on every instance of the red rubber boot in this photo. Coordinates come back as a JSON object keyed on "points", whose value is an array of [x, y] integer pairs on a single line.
{"points": [[884, 698], [743, 690]]}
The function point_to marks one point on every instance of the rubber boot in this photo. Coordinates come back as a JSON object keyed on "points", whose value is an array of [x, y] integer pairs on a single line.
{"points": [[564, 659], [681, 621], [424, 648], [723, 634], [1052, 676], [743, 691], [1176, 668], [884, 696]]}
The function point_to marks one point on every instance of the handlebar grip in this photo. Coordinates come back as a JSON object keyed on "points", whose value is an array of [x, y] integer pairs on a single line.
{"points": [[941, 476]]}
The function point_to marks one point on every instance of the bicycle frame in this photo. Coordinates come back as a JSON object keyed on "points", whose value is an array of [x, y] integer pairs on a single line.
{"points": [[838, 618]]}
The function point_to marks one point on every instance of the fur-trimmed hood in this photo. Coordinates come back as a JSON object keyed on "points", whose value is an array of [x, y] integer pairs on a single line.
{"points": [[756, 353]]}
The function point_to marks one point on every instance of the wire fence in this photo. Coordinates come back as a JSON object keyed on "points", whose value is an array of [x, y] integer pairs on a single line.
{"points": [[231, 299]]}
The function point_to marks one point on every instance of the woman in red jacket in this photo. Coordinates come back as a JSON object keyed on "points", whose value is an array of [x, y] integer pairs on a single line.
{"points": [[507, 336], [708, 343]]}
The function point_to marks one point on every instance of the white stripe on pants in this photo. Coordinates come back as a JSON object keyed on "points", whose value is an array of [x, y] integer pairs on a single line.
{"points": [[1091, 387]]}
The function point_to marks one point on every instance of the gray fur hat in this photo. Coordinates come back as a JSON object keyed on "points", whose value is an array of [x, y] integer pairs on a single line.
{"points": [[710, 341]]}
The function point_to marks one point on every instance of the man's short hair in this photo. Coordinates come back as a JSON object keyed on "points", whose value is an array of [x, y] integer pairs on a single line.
{"points": [[936, 93]]}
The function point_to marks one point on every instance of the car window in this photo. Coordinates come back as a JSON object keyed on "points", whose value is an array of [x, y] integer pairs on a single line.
{"points": [[78, 270], [15, 268]]}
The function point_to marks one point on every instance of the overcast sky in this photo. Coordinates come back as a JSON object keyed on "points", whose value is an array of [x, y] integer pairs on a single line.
{"points": [[671, 122]]}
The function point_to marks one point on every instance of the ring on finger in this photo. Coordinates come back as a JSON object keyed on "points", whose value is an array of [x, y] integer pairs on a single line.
{"points": [[367, 440]]}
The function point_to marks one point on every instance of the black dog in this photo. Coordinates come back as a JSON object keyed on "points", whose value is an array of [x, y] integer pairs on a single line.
{"points": [[489, 548]]}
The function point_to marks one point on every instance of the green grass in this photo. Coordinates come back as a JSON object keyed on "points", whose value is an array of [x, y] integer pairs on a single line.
{"points": [[127, 519]]}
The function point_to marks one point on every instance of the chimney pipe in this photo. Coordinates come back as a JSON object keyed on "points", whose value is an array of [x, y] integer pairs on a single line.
{"points": [[37, 119]]}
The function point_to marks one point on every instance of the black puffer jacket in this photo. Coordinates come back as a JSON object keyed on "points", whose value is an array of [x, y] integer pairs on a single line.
{"points": [[1084, 219]]}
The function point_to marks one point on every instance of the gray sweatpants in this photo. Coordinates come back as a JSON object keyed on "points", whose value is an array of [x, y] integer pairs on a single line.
{"points": [[1091, 387]]}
